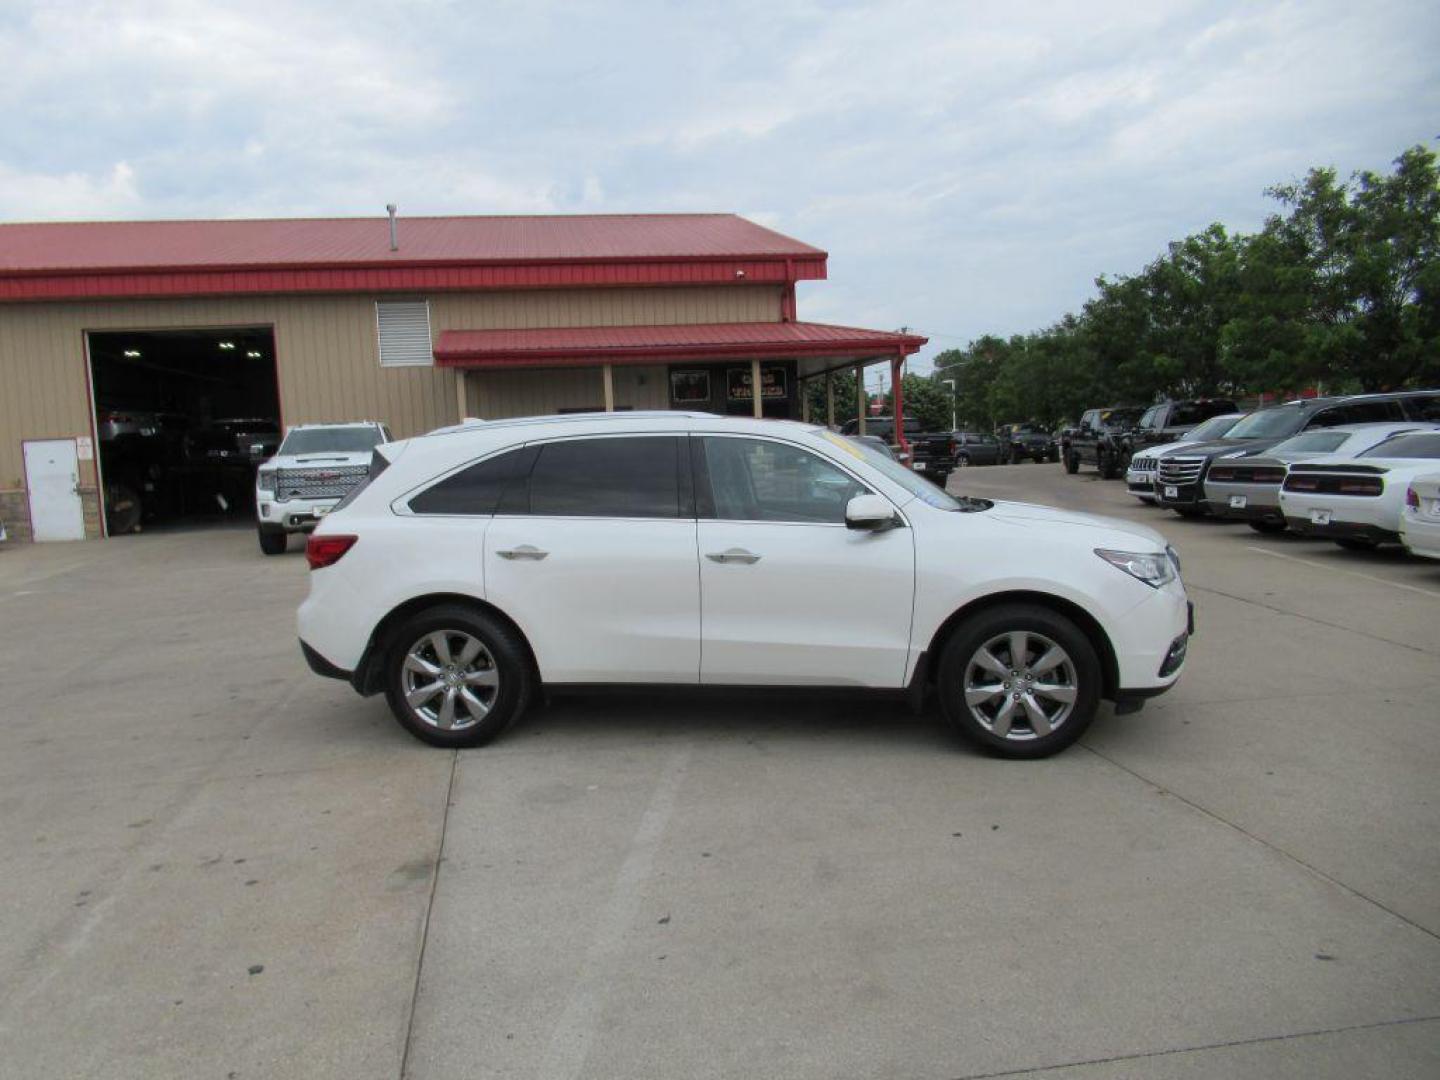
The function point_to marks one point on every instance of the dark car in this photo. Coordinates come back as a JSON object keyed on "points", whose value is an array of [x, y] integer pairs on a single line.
{"points": [[931, 452], [1021, 441], [977, 448], [1102, 439], [1171, 421], [233, 442], [1180, 476]]}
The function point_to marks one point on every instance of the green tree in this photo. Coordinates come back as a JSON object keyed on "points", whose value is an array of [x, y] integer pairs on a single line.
{"points": [[928, 400]]}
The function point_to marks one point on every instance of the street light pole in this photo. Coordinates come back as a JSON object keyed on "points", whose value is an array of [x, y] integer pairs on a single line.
{"points": [[954, 423]]}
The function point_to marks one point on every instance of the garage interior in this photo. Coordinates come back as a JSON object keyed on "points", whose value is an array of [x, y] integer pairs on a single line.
{"points": [[182, 417]]}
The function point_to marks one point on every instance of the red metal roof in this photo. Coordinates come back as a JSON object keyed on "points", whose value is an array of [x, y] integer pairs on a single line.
{"points": [[176, 258], [590, 345]]}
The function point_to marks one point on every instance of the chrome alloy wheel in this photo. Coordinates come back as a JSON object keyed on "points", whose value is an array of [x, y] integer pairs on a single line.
{"points": [[1020, 685], [450, 679]]}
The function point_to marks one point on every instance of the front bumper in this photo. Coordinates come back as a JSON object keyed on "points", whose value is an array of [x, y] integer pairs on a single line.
{"points": [[1186, 496], [292, 515], [1140, 483]]}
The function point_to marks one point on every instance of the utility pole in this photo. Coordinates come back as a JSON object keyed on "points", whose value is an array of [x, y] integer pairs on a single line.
{"points": [[954, 422]]}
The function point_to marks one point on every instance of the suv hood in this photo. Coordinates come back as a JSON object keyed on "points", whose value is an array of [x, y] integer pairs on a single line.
{"points": [[1029, 515]]}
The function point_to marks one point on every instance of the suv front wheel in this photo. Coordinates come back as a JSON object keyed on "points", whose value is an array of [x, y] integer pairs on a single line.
{"points": [[455, 676], [1020, 680]]}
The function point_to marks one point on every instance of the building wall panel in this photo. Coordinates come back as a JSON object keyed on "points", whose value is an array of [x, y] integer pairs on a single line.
{"points": [[328, 357]]}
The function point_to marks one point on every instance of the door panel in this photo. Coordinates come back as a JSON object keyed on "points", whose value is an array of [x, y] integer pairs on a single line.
{"points": [[52, 478], [823, 604], [600, 599], [789, 595]]}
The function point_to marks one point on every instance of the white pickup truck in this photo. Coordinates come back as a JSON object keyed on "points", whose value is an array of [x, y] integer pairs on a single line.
{"points": [[316, 466]]}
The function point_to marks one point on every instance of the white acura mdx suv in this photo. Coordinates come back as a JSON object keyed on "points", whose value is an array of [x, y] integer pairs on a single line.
{"points": [[480, 563]]}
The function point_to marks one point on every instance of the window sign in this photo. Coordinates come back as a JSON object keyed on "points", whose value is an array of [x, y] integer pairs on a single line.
{"points": [[772, 384]]}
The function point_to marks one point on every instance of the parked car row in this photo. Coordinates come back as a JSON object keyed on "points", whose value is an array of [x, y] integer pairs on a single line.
{"points": [[1361, 470]]}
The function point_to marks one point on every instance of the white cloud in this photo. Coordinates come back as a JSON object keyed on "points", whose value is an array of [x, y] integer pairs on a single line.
{"points": [[971, 167]]}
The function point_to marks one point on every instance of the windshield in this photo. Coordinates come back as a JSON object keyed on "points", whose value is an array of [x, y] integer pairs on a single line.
{"points": [[1416, 444], [1313, 442], [892, 470], [1120, 418], [336, 440], [1268, 423], [1214, 428]]}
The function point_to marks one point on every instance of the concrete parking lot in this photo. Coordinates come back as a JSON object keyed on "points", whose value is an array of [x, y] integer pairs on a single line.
{"points": [[214, 864]]}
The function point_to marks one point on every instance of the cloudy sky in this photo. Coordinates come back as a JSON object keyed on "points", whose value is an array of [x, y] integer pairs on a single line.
{"points": [[970, 166]]}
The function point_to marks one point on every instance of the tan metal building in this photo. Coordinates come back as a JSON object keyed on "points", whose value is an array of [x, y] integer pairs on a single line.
{"points": [[111, 330]]}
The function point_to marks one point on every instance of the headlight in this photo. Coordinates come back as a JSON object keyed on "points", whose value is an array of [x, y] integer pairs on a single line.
{"points": [[1153, 568], [265, 479]]}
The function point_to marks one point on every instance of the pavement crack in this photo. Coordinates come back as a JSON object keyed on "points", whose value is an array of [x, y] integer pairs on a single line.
{"points": [[1214, 816], [1255, 1041], [429, 910]]}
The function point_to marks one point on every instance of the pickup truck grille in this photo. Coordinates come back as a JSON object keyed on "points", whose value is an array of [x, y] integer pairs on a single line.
{"points": [[331, 482], [1181, 470]]}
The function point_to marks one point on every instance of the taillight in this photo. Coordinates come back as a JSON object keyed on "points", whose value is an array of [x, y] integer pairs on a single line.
{"points": [[1412, 498], [323, 551], [1302, 483], [1363, 486], [1222, 474], [954, 445], [1267, 476]]}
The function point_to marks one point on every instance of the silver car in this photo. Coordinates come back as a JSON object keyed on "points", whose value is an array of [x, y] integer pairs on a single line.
{"points": [[1242, 486]]}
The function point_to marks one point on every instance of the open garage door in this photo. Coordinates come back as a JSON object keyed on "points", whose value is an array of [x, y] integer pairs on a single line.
{"points": [[182, 417]]}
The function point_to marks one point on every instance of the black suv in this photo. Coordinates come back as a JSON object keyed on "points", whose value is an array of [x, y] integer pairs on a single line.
{"points": [[1171, 421], [1101, 439], [1021, 441], [1180, 476]]}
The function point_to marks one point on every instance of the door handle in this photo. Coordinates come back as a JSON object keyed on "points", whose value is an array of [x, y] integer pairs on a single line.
{"points": [[733, 555], [524, 551]]}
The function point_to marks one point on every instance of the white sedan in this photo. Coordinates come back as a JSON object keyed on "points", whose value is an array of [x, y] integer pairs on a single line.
{"points": [[1357, 501], [479, 565], [1420, 520]]}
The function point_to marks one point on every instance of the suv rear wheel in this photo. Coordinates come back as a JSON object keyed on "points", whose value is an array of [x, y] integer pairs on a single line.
{"points": [[1072, 463], [455, 676], [1021, 680]]}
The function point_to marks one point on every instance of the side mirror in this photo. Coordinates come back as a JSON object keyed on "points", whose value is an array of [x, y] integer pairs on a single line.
{"points": [[870, 512]]}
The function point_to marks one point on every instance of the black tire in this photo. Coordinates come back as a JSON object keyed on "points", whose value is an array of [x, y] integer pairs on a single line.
{"points": [[122, 509], [1268, 526], [1072, 463], [1109, 467], [1356, 543], [962, 461], [272, 541], [1032, 619], [511, 661]]}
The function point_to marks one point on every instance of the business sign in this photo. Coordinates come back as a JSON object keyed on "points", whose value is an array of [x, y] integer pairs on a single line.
{"points": [[772, 384]]}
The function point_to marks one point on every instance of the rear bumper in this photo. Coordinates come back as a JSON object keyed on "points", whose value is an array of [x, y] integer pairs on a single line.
{"points": [[1343, 530], [320, 666]]}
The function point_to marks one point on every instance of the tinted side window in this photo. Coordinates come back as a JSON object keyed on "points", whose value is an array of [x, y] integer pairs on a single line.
{"points": [[760, 480], [624, 477], [1187, 415], [476, 490], [1364, 412], [1152, 417], [1423, 408]]}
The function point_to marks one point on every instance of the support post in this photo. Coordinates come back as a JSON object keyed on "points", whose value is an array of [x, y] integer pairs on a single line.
{"points": [[860, 399], [804, 399], [462, 404], [608, 374], [757, 402], [897, 401], [829, 399]]}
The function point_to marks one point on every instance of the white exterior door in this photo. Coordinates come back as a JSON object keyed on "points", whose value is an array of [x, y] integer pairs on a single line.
{"points": [[52, 477], [789, 595], [597, 563]]}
